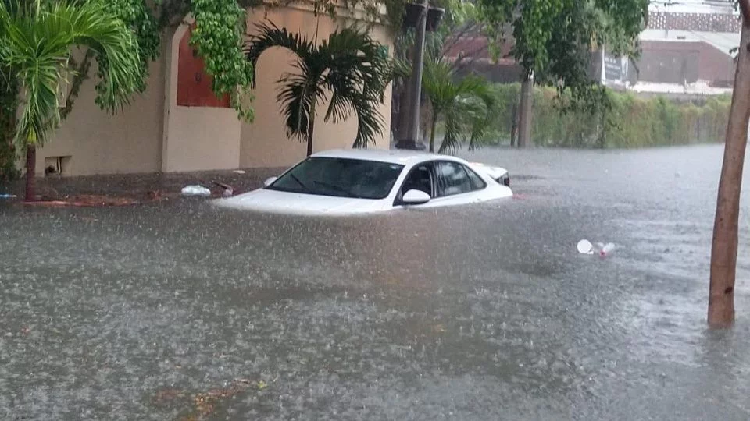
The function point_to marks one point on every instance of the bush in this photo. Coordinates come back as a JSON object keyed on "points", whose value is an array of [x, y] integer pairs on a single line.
{"points": [[8, 169], [632, 121]]}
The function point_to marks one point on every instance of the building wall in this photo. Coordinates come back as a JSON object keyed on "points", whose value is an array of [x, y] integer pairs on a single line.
{"points": [[195, 138], [265, 142], [676, 62], [95, 142], [712, 22], [155, 134]]}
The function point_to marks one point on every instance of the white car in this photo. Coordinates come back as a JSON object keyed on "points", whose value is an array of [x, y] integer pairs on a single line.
{"points": [[361, 181]]}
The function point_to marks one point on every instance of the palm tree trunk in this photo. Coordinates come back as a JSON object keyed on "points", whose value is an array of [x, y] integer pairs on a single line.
{"points": [[724, 244], [30, 173], [432, 129], [310, 129]]}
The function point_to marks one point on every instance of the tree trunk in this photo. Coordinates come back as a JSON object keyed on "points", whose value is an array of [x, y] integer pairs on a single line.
{"points": [[724, 244], [30, 173], [432, 129], [310, 129], [514, 125], [524, 132], [603, 130]]}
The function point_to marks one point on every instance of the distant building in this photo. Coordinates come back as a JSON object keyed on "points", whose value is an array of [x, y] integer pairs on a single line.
{"points": [[687, 48]]}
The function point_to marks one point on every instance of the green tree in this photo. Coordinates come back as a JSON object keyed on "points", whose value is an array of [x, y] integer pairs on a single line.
{"points": [[554, 39], [36, 39], [460, 19], [462, 103], [218, 37], [349, 69]]}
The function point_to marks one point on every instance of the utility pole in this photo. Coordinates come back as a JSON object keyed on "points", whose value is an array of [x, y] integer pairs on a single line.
{"points": [[413, 139]]}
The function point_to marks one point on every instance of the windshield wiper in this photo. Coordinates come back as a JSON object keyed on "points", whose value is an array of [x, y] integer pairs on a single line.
{"points": [[336, 188]]}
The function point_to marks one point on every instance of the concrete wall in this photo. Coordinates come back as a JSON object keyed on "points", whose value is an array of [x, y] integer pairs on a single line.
{"points": [[95, 142], [264, 142]]}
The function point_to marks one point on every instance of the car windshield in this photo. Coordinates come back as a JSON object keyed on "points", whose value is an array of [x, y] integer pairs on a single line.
{"points": [[343, 177]]}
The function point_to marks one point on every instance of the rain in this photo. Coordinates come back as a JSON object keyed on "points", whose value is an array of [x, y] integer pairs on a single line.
{"points": [[178, 309]]}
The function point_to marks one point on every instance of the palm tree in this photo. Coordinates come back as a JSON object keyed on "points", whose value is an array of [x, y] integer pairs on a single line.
{"points": [[36, 39], [463, 104], [349, 68]]}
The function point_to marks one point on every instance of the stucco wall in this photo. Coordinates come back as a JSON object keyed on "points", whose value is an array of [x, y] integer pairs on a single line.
{"points": [[264, 142], [100, 143], [154, 134], [196, 138]]}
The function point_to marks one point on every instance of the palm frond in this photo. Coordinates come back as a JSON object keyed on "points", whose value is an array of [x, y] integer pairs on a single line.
{"points": [[453, 128], [348, 65], [36, 47], [358, 74], [466, 104], [269, 36]]}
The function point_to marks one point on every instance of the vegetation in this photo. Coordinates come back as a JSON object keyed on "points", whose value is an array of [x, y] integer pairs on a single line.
{"points": [[218, 36], [349, 68], [629, 122], [35, 45], [553, 40], [459, 20], [8, 106], [464, 104]]}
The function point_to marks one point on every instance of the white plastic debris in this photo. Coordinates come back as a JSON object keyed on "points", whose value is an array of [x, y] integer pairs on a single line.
{"points": [[238, 171], [585, 247], [195, 191]]}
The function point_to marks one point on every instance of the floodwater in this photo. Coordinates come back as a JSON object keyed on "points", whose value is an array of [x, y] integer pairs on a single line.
{"points": [[178, 310]]}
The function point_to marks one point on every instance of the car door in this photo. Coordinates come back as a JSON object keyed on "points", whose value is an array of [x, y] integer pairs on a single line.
{"points": [[455, 184]]}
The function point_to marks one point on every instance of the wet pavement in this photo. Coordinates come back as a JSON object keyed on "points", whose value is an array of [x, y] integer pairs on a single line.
{"points": [[176, 310]]}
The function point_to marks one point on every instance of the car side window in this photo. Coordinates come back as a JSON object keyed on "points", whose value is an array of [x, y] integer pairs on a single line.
{"points": [[476, 181], [419, 178], [453, 178]]}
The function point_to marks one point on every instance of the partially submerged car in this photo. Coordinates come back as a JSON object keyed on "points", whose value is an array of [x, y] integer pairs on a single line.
{"points": [[356, 181]]}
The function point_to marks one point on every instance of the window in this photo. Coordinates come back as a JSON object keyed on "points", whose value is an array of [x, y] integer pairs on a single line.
{"points": [[476, 181], [454, 178], [342, 177], [419, 178]]}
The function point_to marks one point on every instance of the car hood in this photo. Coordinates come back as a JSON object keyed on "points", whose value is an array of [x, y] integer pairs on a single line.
{"points": [[274, 201]]}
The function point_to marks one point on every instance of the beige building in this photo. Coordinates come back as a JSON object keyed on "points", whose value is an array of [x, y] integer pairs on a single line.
{"points": [[156, 132]]}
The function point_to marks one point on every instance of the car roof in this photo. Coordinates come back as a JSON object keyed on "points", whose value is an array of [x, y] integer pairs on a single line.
{"points": [[402, 157]]}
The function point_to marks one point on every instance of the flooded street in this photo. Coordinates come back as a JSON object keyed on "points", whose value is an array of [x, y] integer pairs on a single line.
{"points": [[169, 311]]}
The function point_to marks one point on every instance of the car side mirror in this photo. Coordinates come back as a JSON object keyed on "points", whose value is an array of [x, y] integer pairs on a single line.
{"points": [[270, 181], [415, 197]]}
